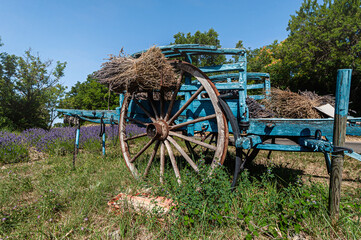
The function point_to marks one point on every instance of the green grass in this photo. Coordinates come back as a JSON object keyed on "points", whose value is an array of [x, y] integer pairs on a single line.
{"points": [[48, 199]]}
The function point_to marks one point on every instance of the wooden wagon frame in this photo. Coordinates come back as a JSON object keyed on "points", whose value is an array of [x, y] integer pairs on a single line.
{"points": [[207, 110]]}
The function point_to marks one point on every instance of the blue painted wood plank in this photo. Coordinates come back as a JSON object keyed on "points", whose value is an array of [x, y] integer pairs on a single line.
{"points": [[353, 130], [257, 97], [354, 155], [255, 86], [222, 77], [77, 137], [251, 75], [181, 49], [297, 127], [267, 83], [89, 113], [291, 127], [354, 119], [343, 92], [284, 148], [219, 86], [223, 68], [103, 144], [105, 120]]}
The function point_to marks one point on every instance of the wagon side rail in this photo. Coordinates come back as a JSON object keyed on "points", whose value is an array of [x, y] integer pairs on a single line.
{"points": [[95, 116]]}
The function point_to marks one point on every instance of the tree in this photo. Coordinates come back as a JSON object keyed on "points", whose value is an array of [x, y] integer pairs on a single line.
{"points": [[206, 38], [29, 91], [90, 95], [269, 59], [7, 91], [323, 38]]}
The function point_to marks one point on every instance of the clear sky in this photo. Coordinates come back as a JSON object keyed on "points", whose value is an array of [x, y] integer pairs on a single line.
{"points": [[84, 32]]}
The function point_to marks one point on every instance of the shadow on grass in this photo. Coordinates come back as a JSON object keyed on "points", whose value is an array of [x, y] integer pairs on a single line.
{"points": [[284, 175]]}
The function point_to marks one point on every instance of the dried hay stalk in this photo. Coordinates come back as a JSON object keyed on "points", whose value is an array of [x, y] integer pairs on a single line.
{"points": [[149, 72], [257, 110], [72, 121], [287, 104], [321, 100]]}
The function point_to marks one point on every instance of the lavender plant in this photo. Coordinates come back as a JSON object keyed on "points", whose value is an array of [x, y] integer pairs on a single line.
{"points": [[11, 148], [14, 147]]}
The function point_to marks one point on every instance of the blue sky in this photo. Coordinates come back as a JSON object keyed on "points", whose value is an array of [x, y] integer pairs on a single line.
{"points": [[83, 33]]}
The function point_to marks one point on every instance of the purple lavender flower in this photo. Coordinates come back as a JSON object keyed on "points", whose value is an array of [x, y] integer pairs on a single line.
{"points": [[14, 147]]}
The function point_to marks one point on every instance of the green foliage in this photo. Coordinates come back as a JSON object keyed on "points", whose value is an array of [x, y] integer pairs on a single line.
{"points": [[206, 38], [280, 208], [90, 95], [29, 91], [269, 59], [203, 198], [259, 205], [323, 38]]}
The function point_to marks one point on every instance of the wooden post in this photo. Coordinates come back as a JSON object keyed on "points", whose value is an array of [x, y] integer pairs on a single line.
{"points": [[339, 135], [103, 142], [102, 134], [77, 136]]}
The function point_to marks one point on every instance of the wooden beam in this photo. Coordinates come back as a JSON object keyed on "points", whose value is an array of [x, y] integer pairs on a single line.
{"points": [[339, 135]]}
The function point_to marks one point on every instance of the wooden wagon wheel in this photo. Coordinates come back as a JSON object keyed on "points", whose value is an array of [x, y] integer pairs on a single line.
{"points": [[163, 135]]}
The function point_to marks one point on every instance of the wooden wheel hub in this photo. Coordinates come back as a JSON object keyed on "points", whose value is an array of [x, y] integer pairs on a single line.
{"points": [[158, 130]]}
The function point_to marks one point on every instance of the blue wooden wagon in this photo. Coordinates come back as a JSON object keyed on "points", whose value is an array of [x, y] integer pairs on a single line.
{"points": [[206, 112]]}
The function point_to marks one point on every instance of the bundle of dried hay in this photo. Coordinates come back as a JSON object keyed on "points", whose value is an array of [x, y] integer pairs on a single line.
{"points": [[321, 100], [257, 110], [150, 71], [72, 121], [287, 104]]}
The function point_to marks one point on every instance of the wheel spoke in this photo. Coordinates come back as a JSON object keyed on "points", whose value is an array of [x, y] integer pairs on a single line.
{"points": [[144, 110], [193, 140], [142, 150], [136, 121], [161, 100], [162, 162], [183, 153], [135, 136], [174, 96], [150, 99], [176, 115], [201, 119], [151, 158], [204, 139], [173, 161]]}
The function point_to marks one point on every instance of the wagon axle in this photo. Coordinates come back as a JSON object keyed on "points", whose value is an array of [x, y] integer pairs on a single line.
{"points": [[158, 130]]}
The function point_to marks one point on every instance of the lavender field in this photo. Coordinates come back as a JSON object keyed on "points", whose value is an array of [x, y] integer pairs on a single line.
{"points": [[15, 147]]}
